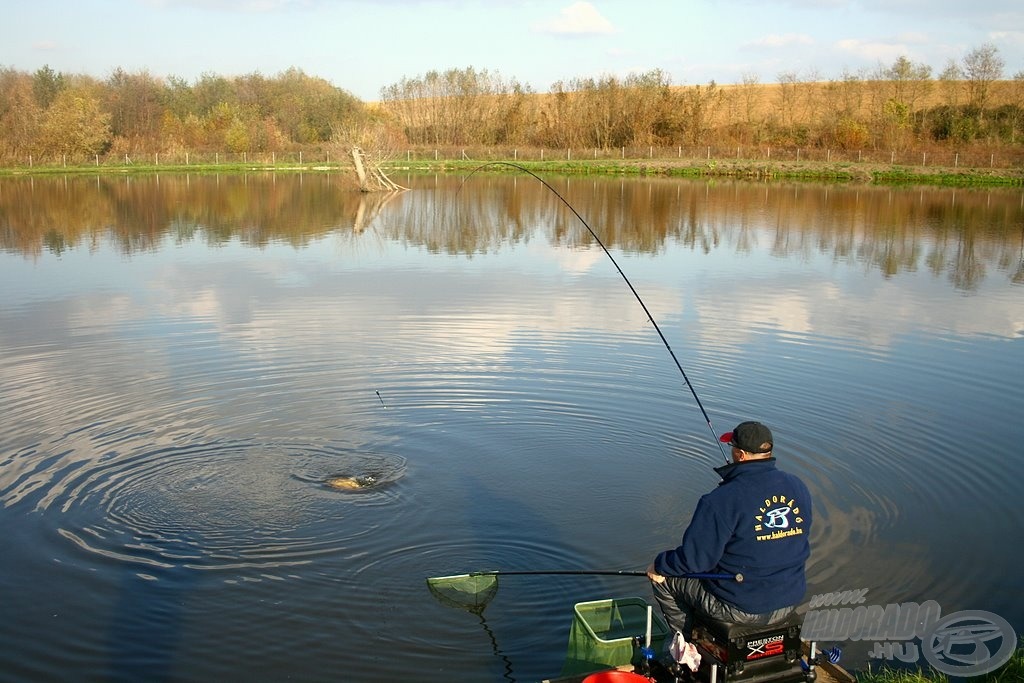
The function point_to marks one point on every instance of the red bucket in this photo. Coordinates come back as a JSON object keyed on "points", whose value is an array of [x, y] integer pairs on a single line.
{"points": [[616, 676]]}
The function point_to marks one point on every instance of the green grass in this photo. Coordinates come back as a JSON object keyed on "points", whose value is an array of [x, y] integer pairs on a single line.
{"points": [[840, 172], [808, 171], [887, 675], [1011, 672], [149, 169]]}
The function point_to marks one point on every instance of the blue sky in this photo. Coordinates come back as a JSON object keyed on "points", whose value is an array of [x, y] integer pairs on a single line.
{"points": [[364, 45]]}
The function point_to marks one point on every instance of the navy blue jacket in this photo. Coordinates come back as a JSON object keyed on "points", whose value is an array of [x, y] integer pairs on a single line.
{"points": [[756, 523]]}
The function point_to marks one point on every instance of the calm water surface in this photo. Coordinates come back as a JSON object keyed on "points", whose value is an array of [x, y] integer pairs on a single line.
{"points": [[186, 361]]}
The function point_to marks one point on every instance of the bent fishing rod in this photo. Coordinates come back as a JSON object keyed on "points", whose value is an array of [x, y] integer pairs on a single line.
{"points": [[600, 243]]}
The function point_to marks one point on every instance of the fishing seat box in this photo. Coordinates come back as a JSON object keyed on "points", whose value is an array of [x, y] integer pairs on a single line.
{"points": [[602, 634], [750, 654]]}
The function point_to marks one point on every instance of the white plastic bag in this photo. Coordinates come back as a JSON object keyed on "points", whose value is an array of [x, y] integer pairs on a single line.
{"points": [[683, 652]]}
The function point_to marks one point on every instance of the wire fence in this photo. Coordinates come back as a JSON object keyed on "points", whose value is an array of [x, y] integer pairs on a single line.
{"points": [[1003, 158]]}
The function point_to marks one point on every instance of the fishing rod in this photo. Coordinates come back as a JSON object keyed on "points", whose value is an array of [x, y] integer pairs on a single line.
{"points": [[650, 317], [475, 590], [584, 572]]}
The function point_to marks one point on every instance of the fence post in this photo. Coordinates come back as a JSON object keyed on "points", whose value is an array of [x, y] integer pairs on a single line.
{"points": [[568, 155], [956, 160], [924, 158], [709, 152]]}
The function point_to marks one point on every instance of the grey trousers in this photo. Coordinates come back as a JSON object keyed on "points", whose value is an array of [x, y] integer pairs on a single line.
{"points": [[681, 598]]}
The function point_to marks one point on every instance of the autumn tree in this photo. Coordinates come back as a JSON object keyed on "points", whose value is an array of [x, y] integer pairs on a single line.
{"points": [[982, 67], [307, 109], [949, 83], [843, 122], [135, 104], [750, 89], [786, 98], [557, 118], [74, 125], [19, 113], [458, 106], [909, 82], [652, 108], [698, 108]]}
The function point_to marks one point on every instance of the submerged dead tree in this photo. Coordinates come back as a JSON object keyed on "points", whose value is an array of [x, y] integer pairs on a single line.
{"points": [[371, 177]]}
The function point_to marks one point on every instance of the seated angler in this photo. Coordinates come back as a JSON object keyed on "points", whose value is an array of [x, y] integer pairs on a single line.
{"points": [[756, 523]]}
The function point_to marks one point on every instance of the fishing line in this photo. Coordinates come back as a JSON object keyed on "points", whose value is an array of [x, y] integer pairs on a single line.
{"points": [[650, 317]]}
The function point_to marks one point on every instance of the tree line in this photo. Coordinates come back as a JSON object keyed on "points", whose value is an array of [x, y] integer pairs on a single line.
{"points": [[903, 105], [47, 113]]}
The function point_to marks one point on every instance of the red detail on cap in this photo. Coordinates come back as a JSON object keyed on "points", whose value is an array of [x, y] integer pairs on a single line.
{"points": [[726, 438]]}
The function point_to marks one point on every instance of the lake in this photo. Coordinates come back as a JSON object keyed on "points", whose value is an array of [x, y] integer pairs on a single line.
{"points": [[187, 363]]}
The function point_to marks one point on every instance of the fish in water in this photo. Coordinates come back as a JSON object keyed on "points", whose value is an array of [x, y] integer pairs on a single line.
{"points": [[349, 483]]}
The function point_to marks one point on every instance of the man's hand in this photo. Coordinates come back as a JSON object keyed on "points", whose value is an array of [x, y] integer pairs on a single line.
{"points": [[654, 576]]}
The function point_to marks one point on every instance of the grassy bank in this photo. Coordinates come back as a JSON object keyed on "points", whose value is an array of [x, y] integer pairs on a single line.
{"points": [[805, 171], [751, 170], [1011, 672]]}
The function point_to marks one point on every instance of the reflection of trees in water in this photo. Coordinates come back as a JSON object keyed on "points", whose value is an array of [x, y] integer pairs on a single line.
{"points": [[1018, 274], [957, 233], [139, 212]]}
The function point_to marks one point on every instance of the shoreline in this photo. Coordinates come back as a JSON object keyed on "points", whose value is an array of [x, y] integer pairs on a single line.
{"points": [[765, 171], [809, 171]]}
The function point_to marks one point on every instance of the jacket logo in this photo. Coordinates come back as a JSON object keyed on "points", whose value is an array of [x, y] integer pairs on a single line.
{"points": [[778, 514], [777, 518]]}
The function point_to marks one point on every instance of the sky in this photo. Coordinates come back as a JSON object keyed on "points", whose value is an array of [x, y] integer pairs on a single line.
{"points": [[363, 46]]}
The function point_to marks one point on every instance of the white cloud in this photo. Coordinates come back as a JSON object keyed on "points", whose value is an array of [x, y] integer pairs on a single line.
{"points": [[878, 51], [578, 18], [1008, 37]]}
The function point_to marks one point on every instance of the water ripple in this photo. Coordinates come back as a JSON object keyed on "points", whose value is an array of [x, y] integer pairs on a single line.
{"points": [[208, 506]]}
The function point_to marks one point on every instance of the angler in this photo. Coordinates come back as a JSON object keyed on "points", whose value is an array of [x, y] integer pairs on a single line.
{"points": [[727, 592]]}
